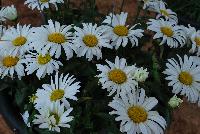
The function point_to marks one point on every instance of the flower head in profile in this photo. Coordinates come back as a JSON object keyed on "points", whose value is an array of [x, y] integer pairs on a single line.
{"points": [[162, 11], [116, 77], [52, 38], [90, 39], [60, 90], [134, 110], [184, 76], [168, 31], [53, 117], [120, 33]]}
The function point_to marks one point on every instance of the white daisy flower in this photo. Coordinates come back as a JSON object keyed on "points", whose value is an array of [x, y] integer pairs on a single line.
{"points": [[10, 12], [90, 39], [43, 64], [17, 39], [51, 38], [170, 32], [117, 77], [25, 117], [62, 89], [42, 4], [53, 117], [119, 31], [168, 14], [184, 77], [9, 64], [134, 111]]}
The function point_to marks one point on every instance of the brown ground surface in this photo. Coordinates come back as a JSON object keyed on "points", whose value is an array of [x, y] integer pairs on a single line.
{"points": [[186, 119]]}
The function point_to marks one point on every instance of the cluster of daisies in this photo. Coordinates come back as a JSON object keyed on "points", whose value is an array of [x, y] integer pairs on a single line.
{"points": [[26, 50]]}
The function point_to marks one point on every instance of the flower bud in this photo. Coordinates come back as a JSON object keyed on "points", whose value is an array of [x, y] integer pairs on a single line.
{"points": [[140, 75], [175, 102], [10, 13]]}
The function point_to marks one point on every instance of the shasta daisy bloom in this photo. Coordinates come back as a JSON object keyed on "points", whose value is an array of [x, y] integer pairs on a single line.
{"points": [[9, 64], [162, 11], [62, 89], [90, 39], [117, 77], [18, 39], [42, 64], [134, 110], [53, 117], [52, 37], [169, 31], [184, 77], [42, 4], [119, 31]]}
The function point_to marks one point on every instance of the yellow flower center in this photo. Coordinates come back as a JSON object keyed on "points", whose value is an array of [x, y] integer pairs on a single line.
{"points": [[44, 1], [117, 76], [197, 40], [90, 40], [10, 61], [56, 117], [32, 98], [164, 12], [185, 78], [56, 38], [120, 30], [167, 31], [44, 59], [57, 94], [19, 41], [137, 114]]}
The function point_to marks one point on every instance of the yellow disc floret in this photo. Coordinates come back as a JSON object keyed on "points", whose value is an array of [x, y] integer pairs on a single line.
{"points": [[117, 76], [185, 78], [44, 1], [120, 30], [10, 61], [56, 38], [197, 40], [57, 94], [90, 40], [19, 41], [44, 59], [167, 31], [164, 12], [137, 114]]}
